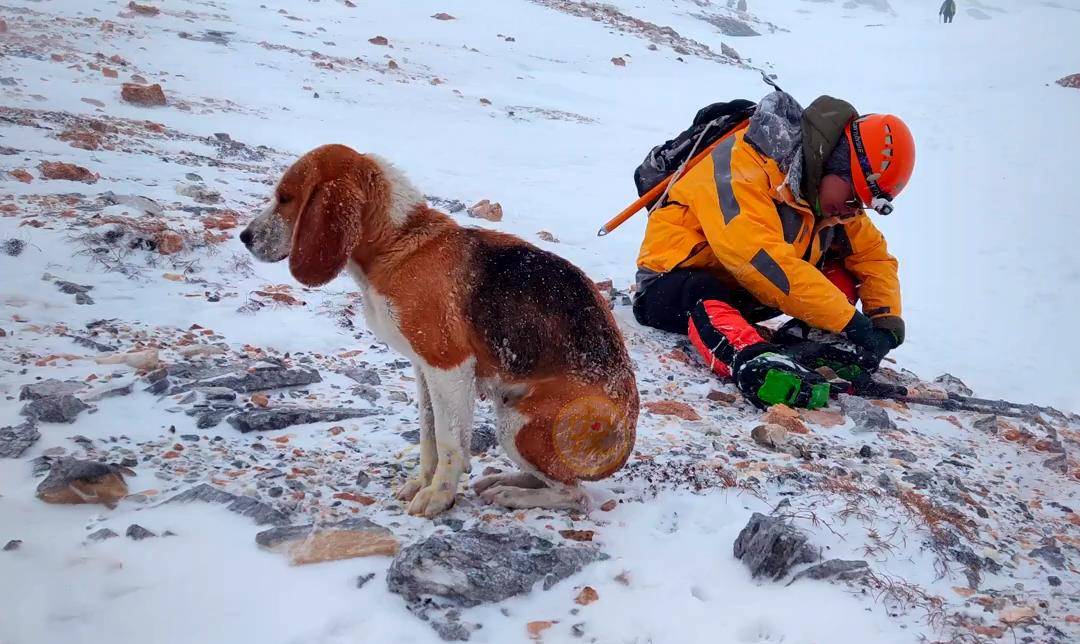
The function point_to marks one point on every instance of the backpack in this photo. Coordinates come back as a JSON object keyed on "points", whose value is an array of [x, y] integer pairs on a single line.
{"points": [[665, 159]]}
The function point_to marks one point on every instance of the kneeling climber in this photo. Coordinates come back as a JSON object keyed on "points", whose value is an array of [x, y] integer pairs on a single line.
{"points": [[772, 222]]}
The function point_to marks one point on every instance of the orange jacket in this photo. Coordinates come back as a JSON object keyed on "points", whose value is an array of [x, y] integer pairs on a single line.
{"points": [[732, 214]]}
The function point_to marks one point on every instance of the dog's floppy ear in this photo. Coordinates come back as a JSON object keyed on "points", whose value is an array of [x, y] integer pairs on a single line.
{"points": [[325, 232]]}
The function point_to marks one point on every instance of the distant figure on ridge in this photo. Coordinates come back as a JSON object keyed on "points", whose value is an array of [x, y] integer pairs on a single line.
{"points": [[948, 10]]}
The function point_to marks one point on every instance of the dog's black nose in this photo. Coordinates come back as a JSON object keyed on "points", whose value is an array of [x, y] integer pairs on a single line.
{"points": [[246, 236]]}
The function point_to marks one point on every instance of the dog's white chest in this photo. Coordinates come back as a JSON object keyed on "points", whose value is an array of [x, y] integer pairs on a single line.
{"points": [[380, 317]]}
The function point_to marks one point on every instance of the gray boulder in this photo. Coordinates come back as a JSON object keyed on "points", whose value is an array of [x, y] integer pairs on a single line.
{"points": [[16, 439], [867, 416], [246, 506], [262, 377], [447, 572], [50, 388], [771, 547], [259, 420], [839, 569], [54, 409]]}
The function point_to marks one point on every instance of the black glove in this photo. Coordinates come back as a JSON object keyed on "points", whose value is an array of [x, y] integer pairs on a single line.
{"points": [[873, 342]]}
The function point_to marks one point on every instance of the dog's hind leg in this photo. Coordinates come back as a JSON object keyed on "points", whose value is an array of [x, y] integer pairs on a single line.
{"points": [[508, 479], [554, 496]]}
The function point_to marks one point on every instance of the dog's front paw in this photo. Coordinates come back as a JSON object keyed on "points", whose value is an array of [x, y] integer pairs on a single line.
{"points": [[432, 500], [409, 490]]}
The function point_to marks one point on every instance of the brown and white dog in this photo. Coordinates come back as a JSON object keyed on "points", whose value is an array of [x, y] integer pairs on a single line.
{"points": [[477, 312]]}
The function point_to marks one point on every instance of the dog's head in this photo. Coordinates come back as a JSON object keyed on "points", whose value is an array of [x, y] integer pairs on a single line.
{"points": [[326, 204]]}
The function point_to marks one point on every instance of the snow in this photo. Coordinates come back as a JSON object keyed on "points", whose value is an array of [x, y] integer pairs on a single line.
{"points": [[984, 232]]}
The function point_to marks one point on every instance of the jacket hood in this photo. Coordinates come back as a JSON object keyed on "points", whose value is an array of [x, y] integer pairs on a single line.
{"points": [[799, 140]]}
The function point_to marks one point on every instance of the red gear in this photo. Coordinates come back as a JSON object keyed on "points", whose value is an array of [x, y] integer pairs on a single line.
{"points": [[718, 332], [843, 279]]}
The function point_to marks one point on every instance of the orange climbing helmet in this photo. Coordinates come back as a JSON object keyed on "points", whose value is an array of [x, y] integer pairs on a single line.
{"points": [[882, 159]]}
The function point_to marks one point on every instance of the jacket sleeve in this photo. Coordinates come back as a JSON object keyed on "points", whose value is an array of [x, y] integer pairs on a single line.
{"points": [[743, 228], [875, 268]]}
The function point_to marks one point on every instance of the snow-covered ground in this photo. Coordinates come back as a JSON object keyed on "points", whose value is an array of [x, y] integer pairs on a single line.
{"points": [[519, 102]]}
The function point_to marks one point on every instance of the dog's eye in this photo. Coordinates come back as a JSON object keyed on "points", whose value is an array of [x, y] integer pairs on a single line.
{"points": [[283, 199]]}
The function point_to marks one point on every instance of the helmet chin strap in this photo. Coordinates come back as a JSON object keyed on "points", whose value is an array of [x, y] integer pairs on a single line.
{"points": [[881, 201]]}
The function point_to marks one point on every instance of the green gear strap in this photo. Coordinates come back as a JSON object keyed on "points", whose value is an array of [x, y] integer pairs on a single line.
{"points": [[784, 387]]}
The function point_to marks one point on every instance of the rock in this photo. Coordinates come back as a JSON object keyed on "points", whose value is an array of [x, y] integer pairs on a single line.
{"points": [[866, 416], [485, 209], [453, 524], [1058, 463], [1054, 581], [259, 420], [12, 248], [144, 9], [14, 544], [1016, 614], [953, 385], [59, 171], [672, 408], [260, 378], [618, 61], [920, 480], [1072, 80], [471, 567], [168, 242], [199, 193], [138, 533], [71, 288], [362, 480], [443, 16], [839, 569], [866, 452], [587, 596], [775, 437], [363, 376], [362, 580], [145, 95], [3, 27], [102, 535], [114, 392], [366, 392], [905, 455], [379, 40], [246, 506], [260, 400], [1050, 553], [730, 26], [822, 417], [16, 439], [786, 417], [76, 481], [50, 388], [217, 393], [483, 439], [147, 359], [770, 547], [548, 237], [304, 544], [536, 629], [771, 436], [54, 409], [578, 535], [722, 397], [91, 344], [729, 51]]}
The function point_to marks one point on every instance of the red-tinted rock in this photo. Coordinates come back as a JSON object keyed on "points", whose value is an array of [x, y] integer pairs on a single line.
{"points": [[148, 95], [57, 170]]}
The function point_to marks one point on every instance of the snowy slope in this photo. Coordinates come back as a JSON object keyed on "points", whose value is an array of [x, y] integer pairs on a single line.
{"points": [[519, 102]]}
